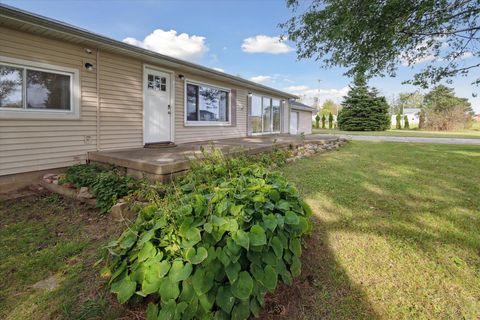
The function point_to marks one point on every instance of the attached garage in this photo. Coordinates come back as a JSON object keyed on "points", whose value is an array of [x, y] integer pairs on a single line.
{"points": [[300, 118]]}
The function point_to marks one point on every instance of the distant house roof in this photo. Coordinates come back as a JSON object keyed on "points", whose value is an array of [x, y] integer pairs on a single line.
{"points": [[411, 110], [300, 106]]}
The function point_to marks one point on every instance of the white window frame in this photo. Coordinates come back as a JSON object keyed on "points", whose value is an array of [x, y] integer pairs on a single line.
{"points": [[198, 123], [271, 122], [24, 113]]}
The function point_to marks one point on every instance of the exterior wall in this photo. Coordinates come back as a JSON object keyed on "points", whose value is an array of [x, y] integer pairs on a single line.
{"points": [[304, 122], [188, 133], [121, 102], [31, 145]]}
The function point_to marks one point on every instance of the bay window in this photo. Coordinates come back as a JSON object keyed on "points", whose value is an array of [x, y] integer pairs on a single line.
{"points": [[35, 90], [207, 104]]}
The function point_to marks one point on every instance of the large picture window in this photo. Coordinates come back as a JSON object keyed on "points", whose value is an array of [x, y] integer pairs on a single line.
{"points": [[265, 114], [206, 104], [32, 90]]}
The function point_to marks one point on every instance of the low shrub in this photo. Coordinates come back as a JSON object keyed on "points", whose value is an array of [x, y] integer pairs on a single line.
{"points": [[106, 184], [214, 245]]}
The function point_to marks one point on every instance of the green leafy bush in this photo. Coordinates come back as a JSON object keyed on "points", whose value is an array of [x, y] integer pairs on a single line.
{"points": [[219, 240], [82, 175], [109, 186]]}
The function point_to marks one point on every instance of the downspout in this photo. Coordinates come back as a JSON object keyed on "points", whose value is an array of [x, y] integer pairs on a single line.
{"points": [[98, 100]]}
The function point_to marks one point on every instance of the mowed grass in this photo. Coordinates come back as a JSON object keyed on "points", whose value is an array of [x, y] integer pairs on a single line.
{"points": [[43, 236], [472, 133], [397, 233]]}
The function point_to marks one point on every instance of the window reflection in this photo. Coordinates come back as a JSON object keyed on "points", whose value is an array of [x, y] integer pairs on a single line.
{"points": [[11, 81]]}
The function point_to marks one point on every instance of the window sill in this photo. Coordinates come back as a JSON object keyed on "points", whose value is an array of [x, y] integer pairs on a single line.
{"points": [[206, 124], [37, 114]]}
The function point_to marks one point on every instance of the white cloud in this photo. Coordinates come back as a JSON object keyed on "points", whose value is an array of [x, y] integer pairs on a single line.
{"points": [[260, 79], [296, 88], [181, 46], [265, 44], [219, 69]]}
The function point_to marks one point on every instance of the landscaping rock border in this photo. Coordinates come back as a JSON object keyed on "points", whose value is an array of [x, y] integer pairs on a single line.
{"points": [[310, 148]]}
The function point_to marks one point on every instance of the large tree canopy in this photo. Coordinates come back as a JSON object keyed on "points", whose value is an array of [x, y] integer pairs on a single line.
{"points": [[376, 36]]}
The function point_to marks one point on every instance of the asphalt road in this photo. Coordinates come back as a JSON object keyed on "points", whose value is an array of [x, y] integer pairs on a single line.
{"points": [[404, 139]]}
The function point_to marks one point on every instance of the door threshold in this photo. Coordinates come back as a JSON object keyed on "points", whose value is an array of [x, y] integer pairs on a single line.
{"points": [[155, 145]]}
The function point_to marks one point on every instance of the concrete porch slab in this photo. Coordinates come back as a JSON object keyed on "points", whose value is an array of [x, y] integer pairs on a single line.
{"points": [[165, 163]]}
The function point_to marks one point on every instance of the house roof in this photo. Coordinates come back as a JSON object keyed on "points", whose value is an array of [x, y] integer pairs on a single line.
{"points": [[411, 110], [33, 23], [300, 106]]}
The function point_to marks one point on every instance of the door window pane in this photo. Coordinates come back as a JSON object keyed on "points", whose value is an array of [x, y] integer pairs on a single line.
{"points": [[11, 82], [46, 90], [256, 114], [276, 115], [267, 115]]}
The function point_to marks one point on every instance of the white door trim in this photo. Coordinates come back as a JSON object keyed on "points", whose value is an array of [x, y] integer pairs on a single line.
{"points": [[172, 99]]}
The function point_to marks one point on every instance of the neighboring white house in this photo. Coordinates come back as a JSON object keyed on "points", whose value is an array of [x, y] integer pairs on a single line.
{"points": [[413, 115]]}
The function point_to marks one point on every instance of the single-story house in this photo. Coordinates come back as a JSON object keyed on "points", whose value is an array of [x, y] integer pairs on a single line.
{"points": [[65, 91], [413, 115], [300, 117]]}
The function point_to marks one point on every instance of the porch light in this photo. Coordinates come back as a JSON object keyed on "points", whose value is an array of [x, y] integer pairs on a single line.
{"points": [[250, 94], [89, 66], [87, 50], [181, 76]]}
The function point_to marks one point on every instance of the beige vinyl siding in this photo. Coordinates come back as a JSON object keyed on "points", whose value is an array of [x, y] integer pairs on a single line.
{"points": [[121, 102], [304, 122], [188, 133], [31, 145]]}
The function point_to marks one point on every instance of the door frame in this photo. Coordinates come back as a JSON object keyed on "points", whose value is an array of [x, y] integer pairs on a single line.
{"points": [[172, 98], [290, 122]]}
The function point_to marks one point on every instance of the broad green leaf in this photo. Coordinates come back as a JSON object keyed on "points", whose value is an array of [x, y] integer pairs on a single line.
{"points": [[202, 281], [152, 311], [168, 289], [225, 300], [196, 256], [242, 288], [188, 294], [167, 310], [218, 221], [192, 237], [241, 238], [270, 278], [191, 310], [274, 195], [128, 239], [295, 267], [296, 247], [224, 257], [179, 271], [257, 236], [206, 300], [257, 272], [147, 251], [180, 309], [241, 311], [236, 209], [208, 227], [124, 288], [255, 307], [292, 218], [283, 205], [277, 246], [270, 221], [232, 271]]}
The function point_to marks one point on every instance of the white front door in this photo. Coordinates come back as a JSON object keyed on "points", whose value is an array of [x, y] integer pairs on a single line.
{"points": [[158, 112], [294, 122]]}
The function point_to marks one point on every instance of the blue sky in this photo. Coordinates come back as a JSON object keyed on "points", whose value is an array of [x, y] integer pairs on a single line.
{"points": [[214, 32]]}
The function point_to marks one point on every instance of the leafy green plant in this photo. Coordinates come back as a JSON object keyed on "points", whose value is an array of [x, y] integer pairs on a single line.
{"points": [[398, 119], [317, 121], [109, 186], [330, 120], [323, 121], [406, 124], [82, 175], [220, 239]]}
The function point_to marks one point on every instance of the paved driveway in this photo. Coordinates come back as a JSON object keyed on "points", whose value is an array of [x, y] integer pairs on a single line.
{"points": [[403, 139]]}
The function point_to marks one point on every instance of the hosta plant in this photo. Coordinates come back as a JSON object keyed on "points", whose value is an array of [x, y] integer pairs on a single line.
{"points": [[219, 240]]}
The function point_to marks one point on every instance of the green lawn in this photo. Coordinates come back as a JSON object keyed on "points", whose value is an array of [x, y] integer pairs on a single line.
{"points": [[473, 133], [43, 236], [397, 233], [396, 237]]}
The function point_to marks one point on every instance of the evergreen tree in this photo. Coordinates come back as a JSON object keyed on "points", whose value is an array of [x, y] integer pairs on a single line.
{"points": [[330, 121], [406, 125], [317, 121], [323, 121], [363, 109], [399, 119]]}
